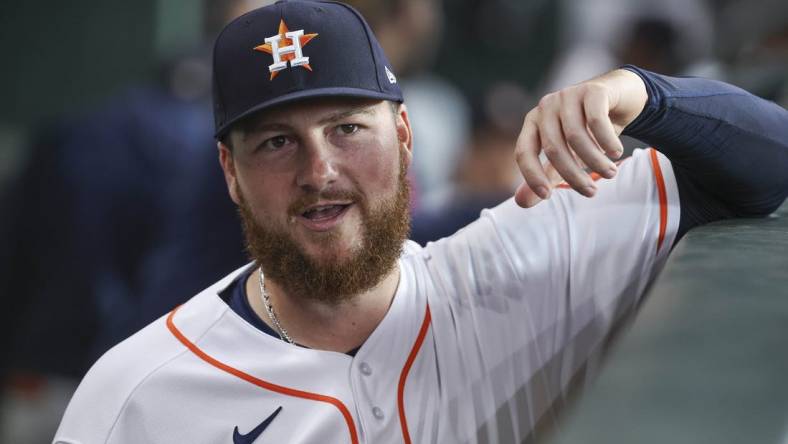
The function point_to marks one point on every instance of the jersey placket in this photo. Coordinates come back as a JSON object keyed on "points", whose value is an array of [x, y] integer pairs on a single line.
{"points": [[376, 373]]}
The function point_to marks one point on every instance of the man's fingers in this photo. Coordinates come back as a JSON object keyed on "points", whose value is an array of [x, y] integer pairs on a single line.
{"points": [[597, 108], [527, 156], [557, 151], [525, 196], [573, 128], [553, 175], [580, 141]]}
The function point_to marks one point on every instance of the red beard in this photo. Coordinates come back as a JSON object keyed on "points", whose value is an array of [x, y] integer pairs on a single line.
{"points": [[385, 226]]}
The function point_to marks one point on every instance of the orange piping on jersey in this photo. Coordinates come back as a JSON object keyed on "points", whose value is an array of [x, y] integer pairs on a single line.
{"points": [[403, 421], [594, 176], [259, 382], [663, 197]]}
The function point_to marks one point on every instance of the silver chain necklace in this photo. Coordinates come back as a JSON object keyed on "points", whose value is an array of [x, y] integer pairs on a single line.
{"points": [[270, 310]]}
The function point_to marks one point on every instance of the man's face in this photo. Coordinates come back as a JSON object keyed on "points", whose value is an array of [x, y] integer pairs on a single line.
{"points": [[322, 193]]}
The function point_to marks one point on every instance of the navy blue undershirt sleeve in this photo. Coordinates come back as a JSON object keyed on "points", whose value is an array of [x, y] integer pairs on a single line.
{"points": [[728, 148]]}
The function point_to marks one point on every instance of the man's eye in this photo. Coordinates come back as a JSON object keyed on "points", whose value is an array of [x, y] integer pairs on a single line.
{"points": [[348, 128], [274, 143]]}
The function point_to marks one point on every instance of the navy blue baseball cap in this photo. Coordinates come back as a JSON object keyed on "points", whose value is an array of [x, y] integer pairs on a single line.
{"points": [[293, 50]]}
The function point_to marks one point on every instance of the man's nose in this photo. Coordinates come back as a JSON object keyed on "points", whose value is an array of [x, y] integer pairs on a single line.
{"points": [[318, 169]]}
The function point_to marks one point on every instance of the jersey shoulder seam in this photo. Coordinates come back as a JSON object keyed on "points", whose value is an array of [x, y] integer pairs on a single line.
{"points": [[155, 370], [724, 122], [705, 96]]}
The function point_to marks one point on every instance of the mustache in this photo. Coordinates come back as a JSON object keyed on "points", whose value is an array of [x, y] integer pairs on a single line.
{"points": [[299, 206]]}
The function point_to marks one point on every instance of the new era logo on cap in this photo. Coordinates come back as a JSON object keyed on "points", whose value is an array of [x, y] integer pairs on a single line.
{"points": [[390, 75], [258, 62]]}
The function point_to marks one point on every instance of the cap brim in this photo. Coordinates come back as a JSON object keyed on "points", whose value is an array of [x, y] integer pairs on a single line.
{"points": [[307, 94]]}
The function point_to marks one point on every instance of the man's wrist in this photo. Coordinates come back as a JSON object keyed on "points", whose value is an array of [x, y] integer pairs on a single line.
{"points": [[653, 97], [632, 97]]}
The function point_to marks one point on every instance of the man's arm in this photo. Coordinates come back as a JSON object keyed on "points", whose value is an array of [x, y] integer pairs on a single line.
{"points": [[729, 148]]}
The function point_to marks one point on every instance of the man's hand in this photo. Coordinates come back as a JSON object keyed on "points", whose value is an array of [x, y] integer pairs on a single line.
{"points": [[577, 128]]}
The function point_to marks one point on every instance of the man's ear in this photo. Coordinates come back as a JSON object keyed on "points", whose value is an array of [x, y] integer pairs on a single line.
{"points": [[404, 132], [228, 167]]}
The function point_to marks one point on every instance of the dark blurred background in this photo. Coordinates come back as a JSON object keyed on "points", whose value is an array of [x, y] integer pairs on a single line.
{"points": [[112, 205]]}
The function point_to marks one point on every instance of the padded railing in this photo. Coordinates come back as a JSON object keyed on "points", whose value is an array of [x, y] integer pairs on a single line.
{"points": [[706, 358]]}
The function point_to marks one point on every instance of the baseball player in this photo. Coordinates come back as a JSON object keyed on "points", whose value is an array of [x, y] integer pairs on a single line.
{"points": [[341, 330]]}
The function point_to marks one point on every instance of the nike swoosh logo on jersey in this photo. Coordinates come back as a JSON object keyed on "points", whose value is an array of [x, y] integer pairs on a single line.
{"points": [[255, 433]]}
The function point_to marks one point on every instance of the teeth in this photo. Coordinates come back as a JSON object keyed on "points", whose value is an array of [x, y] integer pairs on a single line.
{"points": [[317, 209], [323, 211]]}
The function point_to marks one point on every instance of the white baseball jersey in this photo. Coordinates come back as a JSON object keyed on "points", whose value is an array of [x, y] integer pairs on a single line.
{"points": [[485, 332]]}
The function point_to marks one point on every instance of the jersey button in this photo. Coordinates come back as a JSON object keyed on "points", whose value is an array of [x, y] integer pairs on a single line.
{"points": [[377, 413], [366, 370]]}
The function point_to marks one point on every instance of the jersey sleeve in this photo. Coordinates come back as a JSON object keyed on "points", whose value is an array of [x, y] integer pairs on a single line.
{"points": [[526, 296], [106, 390], [599, 253]]}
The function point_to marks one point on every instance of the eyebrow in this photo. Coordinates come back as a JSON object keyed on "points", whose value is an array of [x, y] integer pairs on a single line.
{"points": [[260, 127], [345, 114], [273, 126]]}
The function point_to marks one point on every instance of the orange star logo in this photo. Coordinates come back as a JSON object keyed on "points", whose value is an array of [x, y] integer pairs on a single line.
{"points": [[286, 46]]}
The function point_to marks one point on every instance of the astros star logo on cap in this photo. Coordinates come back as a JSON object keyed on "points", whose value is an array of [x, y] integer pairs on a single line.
{"points": [[292, 51]]}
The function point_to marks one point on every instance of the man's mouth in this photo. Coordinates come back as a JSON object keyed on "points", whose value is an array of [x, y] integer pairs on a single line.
{"points": [[323, 217], [324, 212]]}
